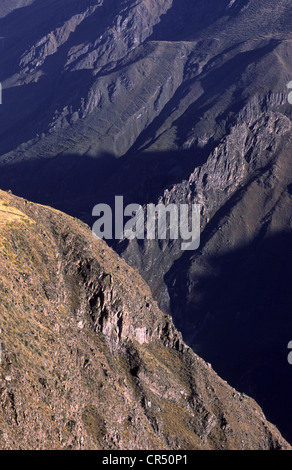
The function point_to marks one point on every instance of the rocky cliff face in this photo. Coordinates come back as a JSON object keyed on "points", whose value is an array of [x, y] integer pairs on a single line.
{"points": [[88, 361], [191, 96]]}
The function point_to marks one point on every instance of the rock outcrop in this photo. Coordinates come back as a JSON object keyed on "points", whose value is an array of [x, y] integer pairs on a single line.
{"points": [[88, 361], [172, 101]]}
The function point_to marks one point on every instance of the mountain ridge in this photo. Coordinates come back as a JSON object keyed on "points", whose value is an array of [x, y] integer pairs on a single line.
{"points": [[88, 359], [194, 107]]}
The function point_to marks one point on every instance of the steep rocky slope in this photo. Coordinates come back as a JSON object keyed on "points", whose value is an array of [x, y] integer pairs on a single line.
{"points": [[192, 96], [90, 362], [7, 6]]}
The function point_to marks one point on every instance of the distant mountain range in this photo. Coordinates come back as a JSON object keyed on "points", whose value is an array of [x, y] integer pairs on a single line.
{"points": [[172, 101]]}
